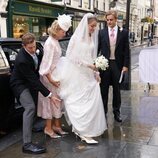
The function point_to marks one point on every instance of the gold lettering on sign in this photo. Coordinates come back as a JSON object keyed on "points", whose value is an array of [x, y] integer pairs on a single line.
{"points": [[34, 9], [45, 11], [39, 10]]}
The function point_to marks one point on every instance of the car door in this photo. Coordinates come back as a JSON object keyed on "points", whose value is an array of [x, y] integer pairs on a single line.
{"points": [[10, 110]]}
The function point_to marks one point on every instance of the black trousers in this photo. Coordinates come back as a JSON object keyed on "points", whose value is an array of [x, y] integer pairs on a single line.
{"points": [[111, 77]]}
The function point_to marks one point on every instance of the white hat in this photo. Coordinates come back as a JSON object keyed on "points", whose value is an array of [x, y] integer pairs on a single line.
{"points": [[64, 21]]}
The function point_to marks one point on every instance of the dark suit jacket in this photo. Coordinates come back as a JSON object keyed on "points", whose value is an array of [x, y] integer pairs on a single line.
{"points": [[121, 49], [25, 76]]}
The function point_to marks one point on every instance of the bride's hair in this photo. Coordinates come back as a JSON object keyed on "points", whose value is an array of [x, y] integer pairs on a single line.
{"points": [[93, 18]]}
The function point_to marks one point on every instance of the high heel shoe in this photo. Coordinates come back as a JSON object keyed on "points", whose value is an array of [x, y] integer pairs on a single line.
{"points": [[88, 140], [59, 130], [51, 134]]}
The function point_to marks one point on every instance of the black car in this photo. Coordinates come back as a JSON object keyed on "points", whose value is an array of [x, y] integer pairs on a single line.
{"points": [[10, 110]]}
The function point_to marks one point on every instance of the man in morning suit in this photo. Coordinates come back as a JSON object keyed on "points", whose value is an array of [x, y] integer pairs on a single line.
{"points": [[114, 45], [25, 84]]}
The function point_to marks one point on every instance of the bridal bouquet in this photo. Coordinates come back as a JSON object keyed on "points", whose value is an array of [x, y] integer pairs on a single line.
{"points": [[101, 63]]}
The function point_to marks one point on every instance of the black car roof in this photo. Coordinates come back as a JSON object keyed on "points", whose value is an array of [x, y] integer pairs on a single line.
{"points": [[45, 38], [9, 40], [19, 40]]}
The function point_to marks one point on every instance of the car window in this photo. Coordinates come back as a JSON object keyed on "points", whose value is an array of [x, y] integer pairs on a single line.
{"points": [[11, 50], [11, 53], [64, 44], [2, 62], [4, 65]]}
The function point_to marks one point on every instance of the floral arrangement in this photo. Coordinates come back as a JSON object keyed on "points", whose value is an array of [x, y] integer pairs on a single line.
{"points": [[101, 63]]}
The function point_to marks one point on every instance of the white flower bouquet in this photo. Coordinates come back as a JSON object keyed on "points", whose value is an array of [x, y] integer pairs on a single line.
{"points": [[101, 63]]}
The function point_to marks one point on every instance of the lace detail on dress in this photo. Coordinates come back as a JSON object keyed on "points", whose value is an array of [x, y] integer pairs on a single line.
{"points": [[82, 55]]}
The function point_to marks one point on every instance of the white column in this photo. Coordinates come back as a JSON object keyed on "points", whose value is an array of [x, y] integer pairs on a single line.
{"points": [[3, 22], [3, 27]]}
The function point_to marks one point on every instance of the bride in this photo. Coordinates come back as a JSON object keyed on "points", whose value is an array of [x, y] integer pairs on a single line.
{"points": [[79, 82]]}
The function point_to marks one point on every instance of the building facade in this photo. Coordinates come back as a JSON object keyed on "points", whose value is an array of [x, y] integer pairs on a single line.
{"points": [[156, 17], [20, 16], [36, 16]]}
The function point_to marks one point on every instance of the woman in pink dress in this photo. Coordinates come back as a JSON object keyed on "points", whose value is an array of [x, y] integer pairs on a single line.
{"points": [[52, 53]]}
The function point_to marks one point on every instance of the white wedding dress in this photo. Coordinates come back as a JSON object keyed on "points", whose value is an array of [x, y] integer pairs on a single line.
{"points": [[81, 92]]}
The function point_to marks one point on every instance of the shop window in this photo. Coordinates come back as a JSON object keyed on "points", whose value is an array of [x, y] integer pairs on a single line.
{"points": [[24, 24], [20, 26]]}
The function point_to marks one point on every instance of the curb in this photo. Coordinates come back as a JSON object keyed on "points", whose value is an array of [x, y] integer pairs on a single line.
{"points": [[138, 45]]}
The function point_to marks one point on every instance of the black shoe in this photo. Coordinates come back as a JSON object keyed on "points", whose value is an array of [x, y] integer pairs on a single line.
{"points": [[31, 148], [117, 118]]}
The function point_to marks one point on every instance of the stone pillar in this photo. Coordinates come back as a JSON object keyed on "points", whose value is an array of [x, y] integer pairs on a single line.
{"points": [[3, 27], [3, 17]]}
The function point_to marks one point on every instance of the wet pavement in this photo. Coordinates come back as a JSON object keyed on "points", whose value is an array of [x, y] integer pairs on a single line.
{"points": [[135, 137]]}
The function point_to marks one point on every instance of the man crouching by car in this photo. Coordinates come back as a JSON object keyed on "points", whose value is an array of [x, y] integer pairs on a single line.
{"points": [[25, 84]]}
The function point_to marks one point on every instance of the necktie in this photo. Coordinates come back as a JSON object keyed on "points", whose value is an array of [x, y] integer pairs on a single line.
{"points": [[35, 61], [112, 35]]}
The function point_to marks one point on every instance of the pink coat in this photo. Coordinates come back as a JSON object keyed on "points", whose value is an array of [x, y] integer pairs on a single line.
{"points": [[52, 53]]}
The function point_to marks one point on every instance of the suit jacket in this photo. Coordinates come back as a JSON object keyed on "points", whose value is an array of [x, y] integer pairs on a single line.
{"points": [[25, 76], [121, 49]]}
